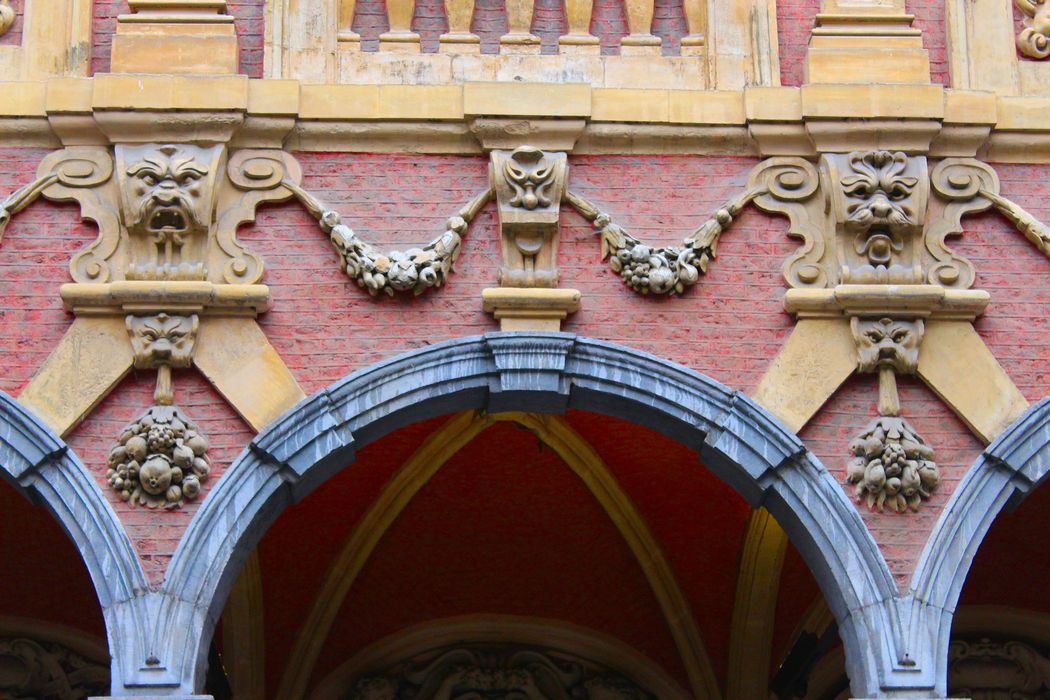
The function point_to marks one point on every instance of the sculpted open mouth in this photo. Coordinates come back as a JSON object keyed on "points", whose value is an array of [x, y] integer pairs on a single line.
{"points": [[168, 218]]}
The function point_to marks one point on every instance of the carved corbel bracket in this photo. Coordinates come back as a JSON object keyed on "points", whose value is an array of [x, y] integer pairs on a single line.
{"points": [[167, 216], [529, 185]]}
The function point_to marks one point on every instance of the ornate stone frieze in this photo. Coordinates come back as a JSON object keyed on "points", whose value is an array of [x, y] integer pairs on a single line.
{"points": [[159, 460], [498, 672], [415, 269], [38, 670], [997, 670], [1034, 39], [528, 184]]}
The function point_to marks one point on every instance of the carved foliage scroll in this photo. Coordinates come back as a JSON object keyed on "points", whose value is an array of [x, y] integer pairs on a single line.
{"points": [[1034, 39], [500, 672], [998, 670], [48, 671]]}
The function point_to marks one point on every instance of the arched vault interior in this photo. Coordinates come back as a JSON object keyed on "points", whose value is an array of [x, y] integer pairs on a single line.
{"points": [[581, 520]]}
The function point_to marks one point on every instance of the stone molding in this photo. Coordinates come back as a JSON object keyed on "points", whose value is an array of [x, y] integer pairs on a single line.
{"points": [[547, 373], [766, 121]]}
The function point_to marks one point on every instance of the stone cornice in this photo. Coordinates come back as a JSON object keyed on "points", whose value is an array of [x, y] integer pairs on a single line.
{"points": [[763, 121]]}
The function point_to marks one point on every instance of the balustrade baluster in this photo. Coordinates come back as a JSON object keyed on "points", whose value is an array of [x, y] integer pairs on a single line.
{"points": [[640, 21], [579, 39], [400, 37], [459, 39], [696, 16], [519, 38]]}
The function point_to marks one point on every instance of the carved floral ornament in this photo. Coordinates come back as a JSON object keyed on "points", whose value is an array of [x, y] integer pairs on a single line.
{"points": [[7, 16]]}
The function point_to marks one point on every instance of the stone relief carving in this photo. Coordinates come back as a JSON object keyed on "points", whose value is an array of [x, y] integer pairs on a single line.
{"points": [[879, 207], [891, 464], [1034, 39], [671, 270], [33, 670], [159, 460], [415, 269], [496, 671], [997, 670], [651, 270], [887, 343], [167, 204], [528, 184]]}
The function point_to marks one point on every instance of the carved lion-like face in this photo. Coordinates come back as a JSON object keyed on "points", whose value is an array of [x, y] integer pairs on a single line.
{"points": [[887, 342], [878, 195], [162, 340], [168, 192]]}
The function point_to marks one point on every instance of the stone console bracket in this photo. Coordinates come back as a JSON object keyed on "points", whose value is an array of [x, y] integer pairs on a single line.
{"points": [[167, 215]]}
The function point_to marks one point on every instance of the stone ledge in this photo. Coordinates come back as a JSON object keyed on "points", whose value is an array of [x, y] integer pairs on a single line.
{"points": [[418, 118]]}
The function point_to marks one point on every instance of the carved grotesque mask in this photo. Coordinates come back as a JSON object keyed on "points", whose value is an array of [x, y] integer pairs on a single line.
{"points": [[168, 201], [162, 340], [530, 174], [879, 209], [887, 342], [168, 192]]}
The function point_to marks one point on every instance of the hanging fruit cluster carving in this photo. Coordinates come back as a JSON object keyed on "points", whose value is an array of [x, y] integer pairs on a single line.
{"points": [[160, 460], [891, 466]]}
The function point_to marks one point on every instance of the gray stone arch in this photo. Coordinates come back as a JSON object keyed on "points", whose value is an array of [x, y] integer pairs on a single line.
{"points": [[546, 373], [43, 468], [1010, 468]]}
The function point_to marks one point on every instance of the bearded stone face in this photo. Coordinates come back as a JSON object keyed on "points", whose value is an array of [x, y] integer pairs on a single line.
{"points": [[887, 342], [168, 192], [168, 201], [162, 340]]}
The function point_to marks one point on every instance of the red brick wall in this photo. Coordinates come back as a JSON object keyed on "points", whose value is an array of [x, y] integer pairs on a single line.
{"points": [[249, 24], [729, 326], [795, 19]]}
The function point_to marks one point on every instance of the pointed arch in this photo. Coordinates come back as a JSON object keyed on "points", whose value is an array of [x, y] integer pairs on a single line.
{"points": [[543, 373], [423, 465]]}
